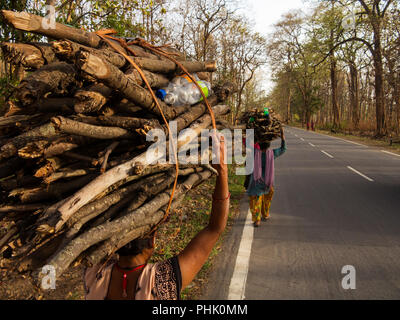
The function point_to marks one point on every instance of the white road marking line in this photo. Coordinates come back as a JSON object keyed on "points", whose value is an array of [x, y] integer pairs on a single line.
{"points": [[326, 135], [312, 145], [326, 153], [296, 135], [302, 139], [358, 144], [391, 153], [359, 173], [237, 287]]}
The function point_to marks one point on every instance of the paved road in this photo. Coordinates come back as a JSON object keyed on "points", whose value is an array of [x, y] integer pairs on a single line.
{"points": [[337, 203]]}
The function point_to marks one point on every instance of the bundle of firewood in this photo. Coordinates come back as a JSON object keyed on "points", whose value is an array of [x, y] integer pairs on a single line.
{"points": [[265, 123], [76, 176]]}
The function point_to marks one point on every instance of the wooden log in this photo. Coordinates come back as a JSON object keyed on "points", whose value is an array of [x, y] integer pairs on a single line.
{"points": [[68, 49], [118, 241], [79, 128], [29, 22], [130, 123], [146, 53], [13, 231], [52, 165], [13, 120], [22, 207], [118, 173], [66, 144], [126, 107], [146, 191], [98, 206], [63, 259], [29, 56], [206, 76], [81, 157], [92, 99], [56, 190], [63, 105], [167, 66], [31, 260], [112, 77], [55, 78], [66, 173], [10, 167], [39, 133], [24, 181], [45, 148], [142, 52], [33, 149], [155, 80]]}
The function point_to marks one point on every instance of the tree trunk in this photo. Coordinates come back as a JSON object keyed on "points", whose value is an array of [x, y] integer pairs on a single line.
{"points": [[354, 95], [289, 112], [335, 107]]}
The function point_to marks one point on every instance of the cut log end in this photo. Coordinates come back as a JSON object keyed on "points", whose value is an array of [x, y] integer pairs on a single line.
{"points": [[91, 64]]}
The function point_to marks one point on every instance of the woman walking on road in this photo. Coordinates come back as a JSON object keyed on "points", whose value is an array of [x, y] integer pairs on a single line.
{"points": [[260, 184]]}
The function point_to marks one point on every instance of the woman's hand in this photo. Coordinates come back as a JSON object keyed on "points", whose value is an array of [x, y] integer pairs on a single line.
{"points": [[219, 153]]}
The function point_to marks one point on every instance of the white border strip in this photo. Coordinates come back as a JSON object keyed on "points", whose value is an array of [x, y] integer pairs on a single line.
{"points": [[312, 145], [326, 153], [237, 287], [391, 153], [359, 173]]}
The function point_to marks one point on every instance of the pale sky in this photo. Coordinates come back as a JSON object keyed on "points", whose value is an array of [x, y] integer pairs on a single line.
{"points": [[265, 13]]}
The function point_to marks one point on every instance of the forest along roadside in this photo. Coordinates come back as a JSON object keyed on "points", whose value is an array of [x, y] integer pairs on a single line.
{"points": [[172, 237]]}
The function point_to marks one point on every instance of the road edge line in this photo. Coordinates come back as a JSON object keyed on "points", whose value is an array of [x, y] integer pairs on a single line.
{"points": [[237, 286]]}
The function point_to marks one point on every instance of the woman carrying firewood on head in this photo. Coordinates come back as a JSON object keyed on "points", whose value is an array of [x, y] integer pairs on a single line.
{"points": [[260, 184], [133, 278]]}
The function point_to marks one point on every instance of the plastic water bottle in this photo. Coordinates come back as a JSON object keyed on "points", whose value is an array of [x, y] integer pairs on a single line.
{"points": [[182, 91], [184, 80], [194, 95]]}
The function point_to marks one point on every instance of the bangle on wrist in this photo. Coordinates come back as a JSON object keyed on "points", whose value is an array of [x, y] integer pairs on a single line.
{"points": [[220, 200]]}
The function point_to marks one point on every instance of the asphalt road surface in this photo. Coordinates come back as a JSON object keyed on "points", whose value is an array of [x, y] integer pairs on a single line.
{"points": [[336, 204]]}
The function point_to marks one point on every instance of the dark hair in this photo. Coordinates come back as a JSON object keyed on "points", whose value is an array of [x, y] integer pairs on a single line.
{"points": [[265, 145], [136, 247]]}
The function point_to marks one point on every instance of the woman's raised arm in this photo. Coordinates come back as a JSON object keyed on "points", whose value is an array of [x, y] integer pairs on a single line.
{"points": [[193, 257]]}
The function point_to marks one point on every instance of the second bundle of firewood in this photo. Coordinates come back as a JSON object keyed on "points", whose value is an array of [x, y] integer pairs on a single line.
{"points": [[266, 124]]}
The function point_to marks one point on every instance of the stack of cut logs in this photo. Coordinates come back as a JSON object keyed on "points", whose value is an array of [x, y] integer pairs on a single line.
{"points": [[266, 124], [76, 180]]}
